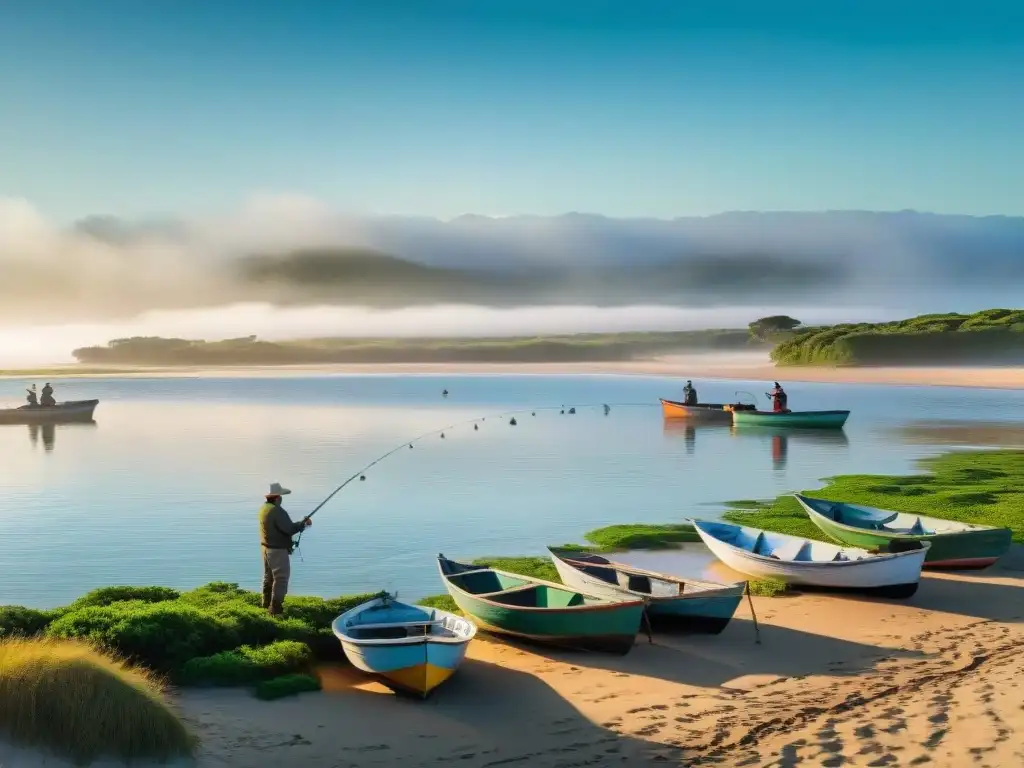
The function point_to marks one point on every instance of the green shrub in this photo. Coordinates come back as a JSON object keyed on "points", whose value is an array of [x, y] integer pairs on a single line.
{"points": [[286, 685], [246, 665], [16, 620]]}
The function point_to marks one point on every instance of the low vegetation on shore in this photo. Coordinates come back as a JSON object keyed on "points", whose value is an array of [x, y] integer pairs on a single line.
{"points": [[248, 350], [68, 698], [984, 487], [992, 336]]}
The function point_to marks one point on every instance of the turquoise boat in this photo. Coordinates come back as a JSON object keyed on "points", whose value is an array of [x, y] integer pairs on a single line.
{"points": [[410, 648], [672, 601], [803, 419], [541, 611]]}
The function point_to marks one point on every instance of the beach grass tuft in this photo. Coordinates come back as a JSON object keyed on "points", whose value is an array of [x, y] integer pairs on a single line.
{"points": [[69, 698], [286, 685]]}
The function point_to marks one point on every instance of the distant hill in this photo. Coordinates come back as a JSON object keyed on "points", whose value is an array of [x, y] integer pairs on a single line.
{"points": [[248, 350]]}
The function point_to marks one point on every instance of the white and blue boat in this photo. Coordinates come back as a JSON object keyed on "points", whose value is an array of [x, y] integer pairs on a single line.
{"points": [[671, 601], [411, 648]]}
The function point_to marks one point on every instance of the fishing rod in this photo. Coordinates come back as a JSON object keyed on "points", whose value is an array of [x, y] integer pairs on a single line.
{"points": [[361, 474]]}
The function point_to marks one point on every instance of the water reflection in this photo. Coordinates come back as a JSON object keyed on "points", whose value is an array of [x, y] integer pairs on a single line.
{"points": [[986, 434], [781, 438], [49, 433], [687, 430]]}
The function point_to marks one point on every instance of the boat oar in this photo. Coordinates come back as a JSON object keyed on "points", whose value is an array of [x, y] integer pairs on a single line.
{"points": [[647, 624]]}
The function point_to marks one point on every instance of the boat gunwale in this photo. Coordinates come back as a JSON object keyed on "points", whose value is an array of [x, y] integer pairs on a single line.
{"points": [[794, 413], [605, 604], [717, 589], [888, 533], [870, 559], [344, 637]]}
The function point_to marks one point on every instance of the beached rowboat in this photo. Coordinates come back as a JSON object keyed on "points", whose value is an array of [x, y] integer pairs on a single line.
{"points": [[796, 560], [953, 544], [714, 412], [542, 611], [690, 604], [410, 647], [68, 412], [805, 419]]}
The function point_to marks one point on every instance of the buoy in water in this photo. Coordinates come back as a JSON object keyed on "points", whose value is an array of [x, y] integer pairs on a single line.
{"points": [[476, 427], [362, 477], [513, 421], [572, 410]]}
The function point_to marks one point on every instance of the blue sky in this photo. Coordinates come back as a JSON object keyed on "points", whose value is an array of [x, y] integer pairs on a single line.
{"points": [[441, 107]]}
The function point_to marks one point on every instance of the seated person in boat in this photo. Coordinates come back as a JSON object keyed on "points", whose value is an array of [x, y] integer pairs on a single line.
{"points": [[780, 400], [32, 399], [48, 395], [689, 394]]}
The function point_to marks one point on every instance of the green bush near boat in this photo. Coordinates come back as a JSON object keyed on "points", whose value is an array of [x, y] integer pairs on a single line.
{"points": [[992, 335], [286, 685], [216, 634], [982, 487]]}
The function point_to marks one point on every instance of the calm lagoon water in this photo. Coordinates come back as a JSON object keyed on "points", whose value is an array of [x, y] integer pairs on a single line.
{"points": [[164, 488]]}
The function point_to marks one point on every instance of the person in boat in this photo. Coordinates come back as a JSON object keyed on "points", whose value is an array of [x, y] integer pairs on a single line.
{"points": [[47, 398], [276, 531], [689, 394], [780, 400], [32, 399]]}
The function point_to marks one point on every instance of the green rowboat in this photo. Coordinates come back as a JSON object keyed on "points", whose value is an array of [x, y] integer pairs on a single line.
{"points": [[805, 419], [541, 611], [953, 544]]}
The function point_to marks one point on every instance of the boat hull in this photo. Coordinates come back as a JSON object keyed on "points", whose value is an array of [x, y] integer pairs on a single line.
{"points": [[890, 575], [604, 626], [709, 613], [417, 667], [704, 412], [802, 419], [958, 550], [71, 412]]}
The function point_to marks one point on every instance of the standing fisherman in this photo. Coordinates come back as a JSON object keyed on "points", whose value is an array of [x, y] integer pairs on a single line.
{"points": [[780, 400], [689, 394], [276, 531]]}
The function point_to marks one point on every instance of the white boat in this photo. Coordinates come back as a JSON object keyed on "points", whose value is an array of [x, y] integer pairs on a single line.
{"points": [[412, 648], [795, 560], [683, 603]]}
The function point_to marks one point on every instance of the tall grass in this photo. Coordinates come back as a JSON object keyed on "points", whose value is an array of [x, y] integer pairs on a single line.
{"points": [[79, 703]]}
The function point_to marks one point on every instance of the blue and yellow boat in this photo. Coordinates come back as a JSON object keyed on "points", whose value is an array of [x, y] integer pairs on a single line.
{"points": [[410, 648]]}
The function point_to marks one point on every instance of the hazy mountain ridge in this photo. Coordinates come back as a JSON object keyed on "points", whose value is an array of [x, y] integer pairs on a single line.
{"points": [[296, 252]]}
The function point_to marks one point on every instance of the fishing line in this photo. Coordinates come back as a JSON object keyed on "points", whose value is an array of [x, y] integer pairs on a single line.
{"points": [[361, 474]]}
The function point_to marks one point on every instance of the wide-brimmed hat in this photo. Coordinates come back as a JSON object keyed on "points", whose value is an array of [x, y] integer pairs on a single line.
{"points": [[276, 489]]}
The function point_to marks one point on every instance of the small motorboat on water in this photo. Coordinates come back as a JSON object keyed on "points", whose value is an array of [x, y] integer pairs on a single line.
{"points": [[804, 419], [708, 412], [68, 412], [412, 648], [953, 544], [796, 560]]}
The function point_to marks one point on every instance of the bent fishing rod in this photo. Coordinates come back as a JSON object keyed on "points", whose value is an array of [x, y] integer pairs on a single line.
{"points": [[361, 474]]}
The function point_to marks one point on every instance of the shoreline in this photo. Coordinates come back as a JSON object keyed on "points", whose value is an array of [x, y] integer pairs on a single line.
{"points": [[675, 366]]}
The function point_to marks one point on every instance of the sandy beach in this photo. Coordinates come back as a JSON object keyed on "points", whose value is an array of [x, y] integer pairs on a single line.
{"points": [[936, 680], [742, 367]]}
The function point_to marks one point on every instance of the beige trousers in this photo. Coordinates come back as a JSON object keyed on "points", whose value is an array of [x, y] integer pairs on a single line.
{"points": [[277, 569]]}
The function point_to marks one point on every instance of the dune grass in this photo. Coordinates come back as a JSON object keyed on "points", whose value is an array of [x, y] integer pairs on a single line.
{"points": [[982, 487], [69, 698]]}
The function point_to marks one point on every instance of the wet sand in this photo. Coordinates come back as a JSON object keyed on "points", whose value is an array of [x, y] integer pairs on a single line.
{"points": [[936, 680]]}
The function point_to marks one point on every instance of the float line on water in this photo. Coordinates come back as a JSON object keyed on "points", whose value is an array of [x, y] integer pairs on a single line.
{"points": [[441, 430]]}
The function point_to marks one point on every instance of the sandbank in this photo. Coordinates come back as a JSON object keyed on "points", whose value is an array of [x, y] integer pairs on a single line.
{"points": [[738, 367], [933, 680]]}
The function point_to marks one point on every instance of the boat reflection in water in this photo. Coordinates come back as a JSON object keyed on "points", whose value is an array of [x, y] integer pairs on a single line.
{"points": [[49, 432], [687, 429], [781, 438]]}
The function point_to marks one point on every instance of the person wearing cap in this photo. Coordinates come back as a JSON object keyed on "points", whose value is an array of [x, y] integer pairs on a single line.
{"points": [[276, 531]]}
